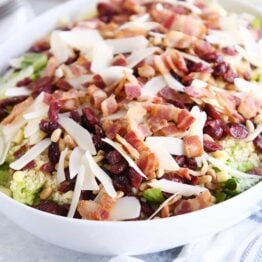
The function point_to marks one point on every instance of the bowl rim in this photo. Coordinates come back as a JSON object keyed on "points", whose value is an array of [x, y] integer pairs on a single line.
{"points": [[12, 201]]}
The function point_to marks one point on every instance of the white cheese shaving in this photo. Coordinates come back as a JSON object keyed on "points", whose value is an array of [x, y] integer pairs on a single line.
{"points": [[127, 45], [10, 130], [163, 205], [232, 172], [115, 116], [153, 86], [114, 73], [60, 177], [252, 136], [77, 192], [139, 55], [193, 58], [82, 137], [173, 83], [248, 87], [101, 175], [32, 127], [130, 161], [78, 81], [5, 149], [31, 154], [75, 161], [40, 113], [147, 26], [173, 145], [173, 187], [17, 91], [125, 208], [166, 161]]}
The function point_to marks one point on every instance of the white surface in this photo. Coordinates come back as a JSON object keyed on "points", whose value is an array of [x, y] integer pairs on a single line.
{"points": [[97, 237]]}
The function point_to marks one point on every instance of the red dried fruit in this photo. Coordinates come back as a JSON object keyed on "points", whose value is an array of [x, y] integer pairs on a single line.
{"points": [[121, 183], [135, 178], [90, 117], [75, 116], [258, 143], [43, 84], [24, 82], [146, 209], [197, 67], [229, 51], [53, 208], [220, 69], [215, 128], [210, 146], [211, 112], [212, 57], [174, 177], [3, 113], [12, 101], [106, 11], [48, 127], [20, 152], [47, 168], [54, 153], [98, 81], [63, 85], [237, 131], [53, 111], [40, 46], [114, 157], [66, 186], [117, 168]]}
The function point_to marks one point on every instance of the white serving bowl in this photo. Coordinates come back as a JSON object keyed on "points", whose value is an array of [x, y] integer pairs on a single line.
{"points": [[110, 238]]}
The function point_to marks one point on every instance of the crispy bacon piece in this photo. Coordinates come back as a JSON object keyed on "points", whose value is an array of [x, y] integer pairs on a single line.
{"points": [[249, 107], [146, 71], [132, 91], [184, 120], [112, 128], [164, 111], [109, 106], [17, 111], [128, 147], [97, 94], [193, 146], [157, 123], [147, 161], [170, 130], [203, 200], [119, 60]]}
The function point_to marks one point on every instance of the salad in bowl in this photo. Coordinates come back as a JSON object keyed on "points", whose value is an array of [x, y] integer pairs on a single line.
{"points": [[142, 110]]}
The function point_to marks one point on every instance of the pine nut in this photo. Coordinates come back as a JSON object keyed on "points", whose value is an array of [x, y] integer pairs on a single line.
{"points": [[250, 126], [56, 135], [69, 141], [45, 193], [119, 194]]}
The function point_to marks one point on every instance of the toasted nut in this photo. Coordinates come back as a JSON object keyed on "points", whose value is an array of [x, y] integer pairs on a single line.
{"points": [[69, 141], [45, 193], [221, 155], [258, 119], [160, 173], [69, 152], [174, 200], [208, 138], [222, 176], [165, 212], [204, 168], [56, 135], [146, 71], [98, 158], [143, 186], [211, 172], [204, 179], [119, 194], [61, 144], [66, 164], [250, 126]]}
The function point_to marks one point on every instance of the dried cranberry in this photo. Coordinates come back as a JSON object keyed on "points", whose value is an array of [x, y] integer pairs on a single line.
{"points": [[48, 127], [230, 76], [63, 85], [3, 113], [43, 84], [47, 168], [53, 208], [174, 177], [121, 183], [98, 81], [53, 111], [198, 67], [66, 186], [117, 168], [114, 157], [12, 101], [229, 51], [258, 143], [135, 178], [211, 112], [89, 116], [87, 195], [30, 165], [146, 209], [40, 46], [214, 128], [191, 163], [212, 57], [54, 153], [194, 180], [24, 82], [237, 131], [75, 116], [20, 152], [211, 146], [220, 69], [186, 162], [106, 11]]}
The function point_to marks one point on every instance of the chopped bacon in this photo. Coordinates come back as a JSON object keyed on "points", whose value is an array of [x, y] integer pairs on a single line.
{"points": [[171, 130], [164, 111], [147, 161], [132, 91], [17, 110], [51, 67], [109, 106], [203, 200], [146, 71], [249, 107], [119, 60], [97, 94], [113, 128], [160, 65], [189, 25], [157, 123], [128, 147], [184, 173], [184, 120], [193, 146]]}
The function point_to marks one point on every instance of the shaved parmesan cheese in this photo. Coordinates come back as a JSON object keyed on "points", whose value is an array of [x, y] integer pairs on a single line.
{"points": [[32, 127], [31, 154], [196, 128], [78, 81], [130, 161], [60, 177], [114, 74], [248, 87], [147, 26], [174, 146], [40, 113], [163, 205], [75, 161], [173, 187], [117, 115], [102, 57], [252, 136], [21, 91], [78, 133], [16, 62], [139, 55], [153, 86], [193, 58], [77, 192], [89, 179], [101, 175], [10, 130], [166, 161], [125, 208], [5, 149], [233, 172], [127, 45], [173, 83]]}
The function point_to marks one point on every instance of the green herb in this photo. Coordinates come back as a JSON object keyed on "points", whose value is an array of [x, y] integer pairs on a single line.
{"points": [[220, 197], [154, 195], [230, 184], [37, 60], [5, 176]]}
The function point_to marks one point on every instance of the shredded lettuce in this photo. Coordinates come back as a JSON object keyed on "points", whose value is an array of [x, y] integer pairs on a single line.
{"points": [[5, 176], [256, 23], [37, 60], [154, 195]]}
